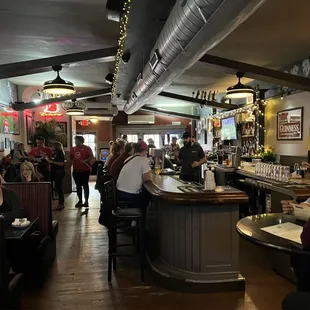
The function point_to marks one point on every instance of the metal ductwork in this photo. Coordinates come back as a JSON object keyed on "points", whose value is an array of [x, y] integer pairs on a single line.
{"points": [[193, 28]]}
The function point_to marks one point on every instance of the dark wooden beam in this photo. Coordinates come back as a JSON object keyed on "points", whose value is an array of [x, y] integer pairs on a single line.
{"points": [[45, 64], [258, 73], [208, 103], [20, 106], [169, 113]]}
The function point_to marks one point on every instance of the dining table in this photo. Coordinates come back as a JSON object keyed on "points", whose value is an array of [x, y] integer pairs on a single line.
{"points": [[253, 228], [20, 233]]}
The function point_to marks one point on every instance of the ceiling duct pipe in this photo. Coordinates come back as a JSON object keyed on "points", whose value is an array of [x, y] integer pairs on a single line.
{"points": [[193, 28]]}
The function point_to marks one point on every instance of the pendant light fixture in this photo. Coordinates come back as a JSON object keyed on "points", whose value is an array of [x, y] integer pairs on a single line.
{"points": [[74, 107], [239, 91], [58, 86]]}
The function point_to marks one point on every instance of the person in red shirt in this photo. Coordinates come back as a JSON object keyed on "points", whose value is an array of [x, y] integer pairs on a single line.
{"points": [[39, 153], [81, 157]]}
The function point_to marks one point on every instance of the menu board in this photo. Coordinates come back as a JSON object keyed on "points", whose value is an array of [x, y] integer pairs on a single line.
{"points": [[290, 124]]}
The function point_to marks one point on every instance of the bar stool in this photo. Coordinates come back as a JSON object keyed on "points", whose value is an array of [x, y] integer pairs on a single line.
{"points": [[116, 215]]}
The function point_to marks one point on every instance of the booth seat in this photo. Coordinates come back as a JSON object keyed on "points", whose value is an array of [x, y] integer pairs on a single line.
{"points": [[37, 202]]}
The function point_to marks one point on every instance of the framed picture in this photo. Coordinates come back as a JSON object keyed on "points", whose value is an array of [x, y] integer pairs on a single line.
{"points": [[61, 133], [29, 129], [290, 124], [9, 120]]}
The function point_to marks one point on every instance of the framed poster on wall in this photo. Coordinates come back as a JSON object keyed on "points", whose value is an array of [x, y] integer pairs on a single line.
{"points": [[290, 124], [29, 129], [9, 121]]}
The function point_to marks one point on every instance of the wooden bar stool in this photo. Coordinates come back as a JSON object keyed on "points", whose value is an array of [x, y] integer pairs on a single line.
{"points": [[119, 215]]}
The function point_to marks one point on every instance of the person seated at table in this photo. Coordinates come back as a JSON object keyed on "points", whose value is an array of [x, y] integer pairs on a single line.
{"points": [[135, 171], [28, 174], [116, 150], [11, 206], [19, 156], [117, 165], [39, 153], [110, 154], [300, 263]]}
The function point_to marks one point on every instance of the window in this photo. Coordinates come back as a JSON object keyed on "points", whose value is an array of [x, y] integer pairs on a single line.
{"points": [[90, 140], [172, 135], [132, 138], [156, 139]]}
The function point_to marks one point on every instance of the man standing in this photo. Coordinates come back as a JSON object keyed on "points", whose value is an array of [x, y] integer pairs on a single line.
{"points": [[81, 156], [192, 157], [38, 154]]}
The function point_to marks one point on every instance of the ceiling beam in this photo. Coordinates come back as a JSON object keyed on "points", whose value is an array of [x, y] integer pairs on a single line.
{"points": [[45, 64], [258, 73], [211, 104], [169, 113], [20, 106]]}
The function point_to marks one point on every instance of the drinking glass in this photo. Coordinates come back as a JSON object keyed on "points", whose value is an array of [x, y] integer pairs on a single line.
{"points": [[157, 170]]}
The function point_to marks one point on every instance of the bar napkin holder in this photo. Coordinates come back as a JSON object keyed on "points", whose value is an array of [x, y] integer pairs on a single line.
{"points": [[209, 181]]}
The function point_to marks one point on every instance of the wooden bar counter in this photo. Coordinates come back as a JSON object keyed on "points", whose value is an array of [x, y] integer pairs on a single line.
{"points": [[192, 240]]}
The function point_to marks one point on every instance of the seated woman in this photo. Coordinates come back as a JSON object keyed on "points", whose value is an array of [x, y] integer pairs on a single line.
{"points": [[117, 165], [28, 174], [135, 171], [10, 204], [116, 150], [19, 155]]}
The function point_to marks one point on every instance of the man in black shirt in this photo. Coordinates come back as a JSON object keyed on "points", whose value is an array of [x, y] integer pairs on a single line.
{"points": [[192, 157]]}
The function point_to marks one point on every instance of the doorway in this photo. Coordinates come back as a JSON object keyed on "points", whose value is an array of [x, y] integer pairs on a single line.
{"points": [[90, 140]]}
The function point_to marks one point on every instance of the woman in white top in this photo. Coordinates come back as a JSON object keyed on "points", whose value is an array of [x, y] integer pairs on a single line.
{"points": [[135, 171]]}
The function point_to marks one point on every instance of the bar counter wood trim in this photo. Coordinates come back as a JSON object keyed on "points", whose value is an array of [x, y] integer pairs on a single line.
{"points": [[166, 187], [194, 244]]}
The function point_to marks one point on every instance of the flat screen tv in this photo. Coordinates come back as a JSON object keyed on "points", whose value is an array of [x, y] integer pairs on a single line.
{"points": [[228, 130]]}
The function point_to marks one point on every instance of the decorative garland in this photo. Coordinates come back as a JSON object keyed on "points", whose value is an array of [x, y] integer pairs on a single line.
{"points": [[121, 43]]}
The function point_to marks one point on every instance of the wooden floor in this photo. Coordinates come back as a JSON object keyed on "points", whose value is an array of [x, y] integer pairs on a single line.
{"points": [[79, 277]]}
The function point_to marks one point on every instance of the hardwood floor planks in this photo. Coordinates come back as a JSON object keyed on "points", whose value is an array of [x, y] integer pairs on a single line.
{"points": [[78, 279]]}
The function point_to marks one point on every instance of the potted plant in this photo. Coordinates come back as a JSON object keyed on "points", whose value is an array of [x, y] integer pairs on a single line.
{"points": [[269, 156]]}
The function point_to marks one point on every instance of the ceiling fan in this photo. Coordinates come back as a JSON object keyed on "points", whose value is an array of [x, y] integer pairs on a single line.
{"points": [[48, 64], [20, 106]]}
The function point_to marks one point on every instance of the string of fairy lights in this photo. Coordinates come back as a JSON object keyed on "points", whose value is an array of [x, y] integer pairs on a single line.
{"points": [[121, 43], [254, 108]]}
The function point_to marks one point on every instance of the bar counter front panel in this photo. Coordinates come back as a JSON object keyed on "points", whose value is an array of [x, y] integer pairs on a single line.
{"points": [[193, 243]]}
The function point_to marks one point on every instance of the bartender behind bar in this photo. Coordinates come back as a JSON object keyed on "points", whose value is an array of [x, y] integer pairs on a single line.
{"points": [[192, 157]]}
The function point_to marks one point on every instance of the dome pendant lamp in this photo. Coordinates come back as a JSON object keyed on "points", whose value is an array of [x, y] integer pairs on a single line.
{"points": [[239, 91], [58, 86]]}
